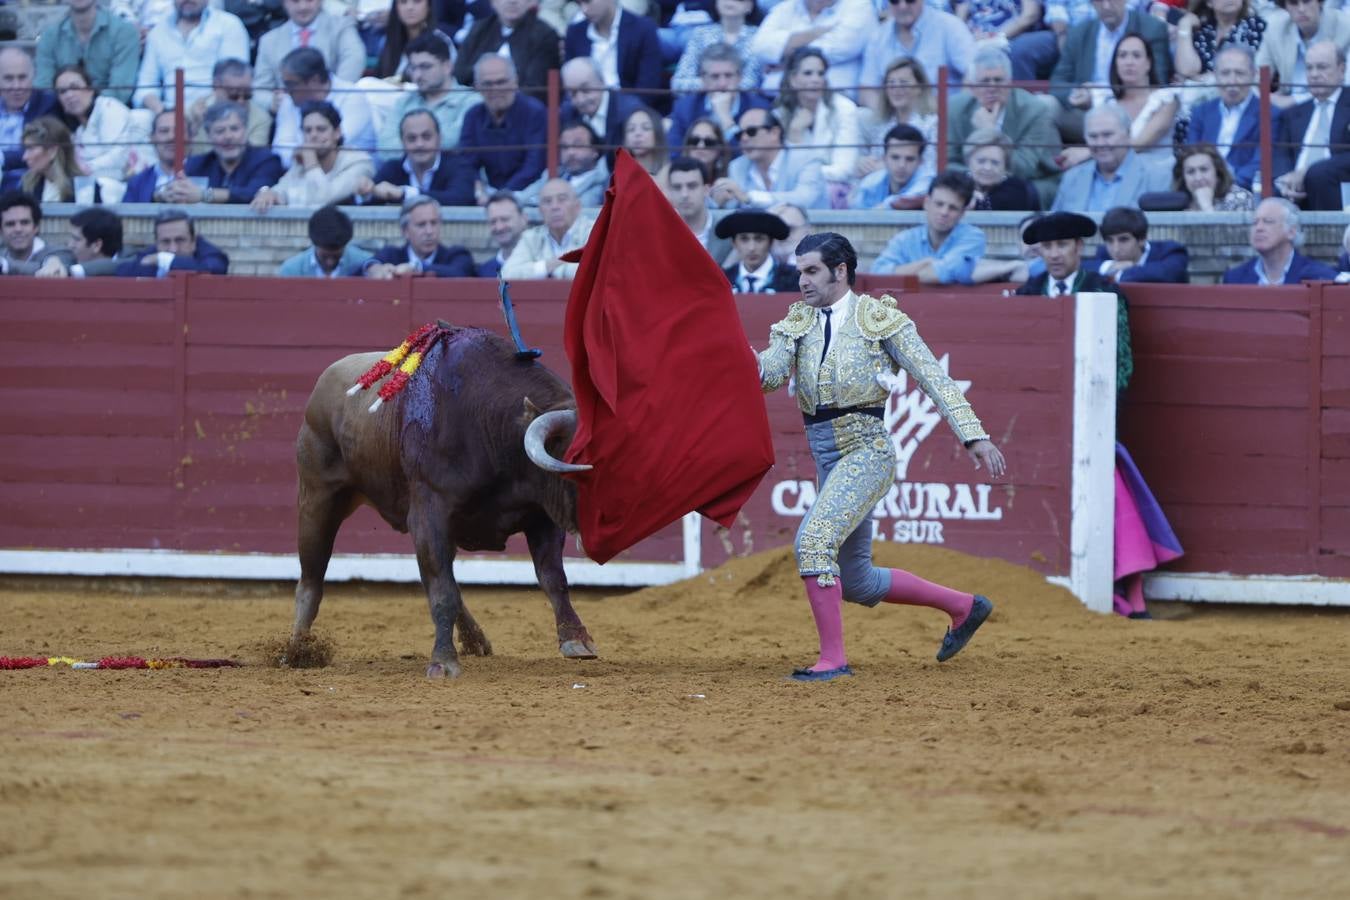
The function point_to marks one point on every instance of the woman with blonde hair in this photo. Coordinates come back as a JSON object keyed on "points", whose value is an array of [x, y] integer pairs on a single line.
{"points": [[49, 154], [1202, 175], [819, 121], [904, 98]]}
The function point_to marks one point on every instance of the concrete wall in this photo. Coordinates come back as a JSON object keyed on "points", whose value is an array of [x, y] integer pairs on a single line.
{"points": [[258, 243]]}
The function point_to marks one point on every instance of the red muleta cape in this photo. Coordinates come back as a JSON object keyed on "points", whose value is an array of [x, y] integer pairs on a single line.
{"points": [[669, 408]]}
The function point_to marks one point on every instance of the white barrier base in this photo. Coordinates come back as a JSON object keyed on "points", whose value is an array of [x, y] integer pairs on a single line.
{"points": [[363, 567], [1222, 587]]}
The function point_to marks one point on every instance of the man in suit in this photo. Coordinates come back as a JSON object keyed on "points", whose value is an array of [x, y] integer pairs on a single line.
{"points": [[506, 222], [990, 102], [231, 79], [580, 161], [943, 250], [1115, 176], [20, 103], [307, 25], [1291, 31], [532, 45], [1060, 236], [589, 101], [429, 67], [721, 100], [1085, 59], [537, 254], [233, 170], [1312, 144], [147, 185], [767, 171], [330, 254], [422, 252], [177, 248], [752, 233], [423, 169], [1127, 255], [688, 183], [625, 45], [1232, 121], [1274, 236], [506, 118]]}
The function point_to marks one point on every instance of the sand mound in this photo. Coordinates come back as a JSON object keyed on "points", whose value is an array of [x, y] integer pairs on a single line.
{"points": [[772, 575]]}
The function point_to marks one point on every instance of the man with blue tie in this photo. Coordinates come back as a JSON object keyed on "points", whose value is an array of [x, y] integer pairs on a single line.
{"points": [[1232, 121]]}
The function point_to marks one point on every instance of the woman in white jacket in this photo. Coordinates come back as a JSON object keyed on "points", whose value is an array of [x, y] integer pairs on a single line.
{"points": [[103, 128], [322, 172], [819, 121]]}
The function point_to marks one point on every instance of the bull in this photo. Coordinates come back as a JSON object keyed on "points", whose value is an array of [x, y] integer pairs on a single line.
{"points": [[465, 456]]}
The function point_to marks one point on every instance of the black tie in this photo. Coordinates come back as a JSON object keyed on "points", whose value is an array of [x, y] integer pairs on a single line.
{"points": [[826, 346], [749, 284], [1061, 288]]}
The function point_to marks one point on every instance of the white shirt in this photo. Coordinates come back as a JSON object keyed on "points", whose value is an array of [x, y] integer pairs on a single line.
{"points": [[839, 311], [1067, 281], [1229, 119], [762, 276], [1106, 48], [358, 130], [597, 121], [1318, 135], [219, 35], [605, 51], [853, 21], [760, 189]]}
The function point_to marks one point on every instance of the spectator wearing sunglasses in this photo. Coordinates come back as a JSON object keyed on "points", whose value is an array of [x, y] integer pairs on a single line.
{"points": [[721, 99], [705, 142], [768, 172]]}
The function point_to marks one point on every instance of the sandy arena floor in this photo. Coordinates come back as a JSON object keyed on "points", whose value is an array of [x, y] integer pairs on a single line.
{"points": [[1063, 754]]}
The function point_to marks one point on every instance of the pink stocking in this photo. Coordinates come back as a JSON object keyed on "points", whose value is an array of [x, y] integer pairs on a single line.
{"points": [[826, 608], [912, 590]]}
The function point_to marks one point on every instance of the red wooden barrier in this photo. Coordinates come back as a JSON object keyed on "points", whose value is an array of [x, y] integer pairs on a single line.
{"points": [[163, 414], [1239, 417]]}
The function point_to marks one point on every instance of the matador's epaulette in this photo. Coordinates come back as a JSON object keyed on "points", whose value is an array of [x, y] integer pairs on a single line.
{"points": [[799, 320], [878, 317]]}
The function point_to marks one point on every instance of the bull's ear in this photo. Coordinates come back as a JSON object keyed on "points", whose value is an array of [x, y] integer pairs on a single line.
{"points": [[531, 411]]}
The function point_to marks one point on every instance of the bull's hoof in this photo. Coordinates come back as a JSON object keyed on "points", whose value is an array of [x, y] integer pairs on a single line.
{"points": [[577, 649], [475, 645], [443, 670]]}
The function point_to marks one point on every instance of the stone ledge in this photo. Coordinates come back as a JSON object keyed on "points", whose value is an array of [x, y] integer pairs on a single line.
{"points": [[258, 243]]}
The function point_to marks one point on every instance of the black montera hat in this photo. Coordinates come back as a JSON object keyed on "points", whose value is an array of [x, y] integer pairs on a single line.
{"points": [[1059, 226], [752, 221]]}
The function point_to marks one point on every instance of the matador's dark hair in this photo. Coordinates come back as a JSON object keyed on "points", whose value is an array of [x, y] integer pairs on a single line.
{"points": [[834, 249]]}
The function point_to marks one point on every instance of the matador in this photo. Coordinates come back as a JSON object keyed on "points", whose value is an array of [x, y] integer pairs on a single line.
{"points": [[837, 345]]}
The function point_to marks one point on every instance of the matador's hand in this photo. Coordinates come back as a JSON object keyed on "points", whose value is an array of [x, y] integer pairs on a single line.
{"points": [[987, 456]]}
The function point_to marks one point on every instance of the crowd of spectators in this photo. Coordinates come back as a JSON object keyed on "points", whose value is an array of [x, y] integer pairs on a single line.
{"points": [[731, 105]]}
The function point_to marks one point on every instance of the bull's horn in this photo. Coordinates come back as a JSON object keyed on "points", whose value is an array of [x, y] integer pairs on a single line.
{"points": [[543, 428]]}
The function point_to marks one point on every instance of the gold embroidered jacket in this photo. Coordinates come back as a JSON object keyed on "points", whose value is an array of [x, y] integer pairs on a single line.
{"points": [[876, 338]]}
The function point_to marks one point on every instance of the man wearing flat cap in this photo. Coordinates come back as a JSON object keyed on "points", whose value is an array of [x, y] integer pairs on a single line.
{"points": [[1060, 237], [752, 233]]}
